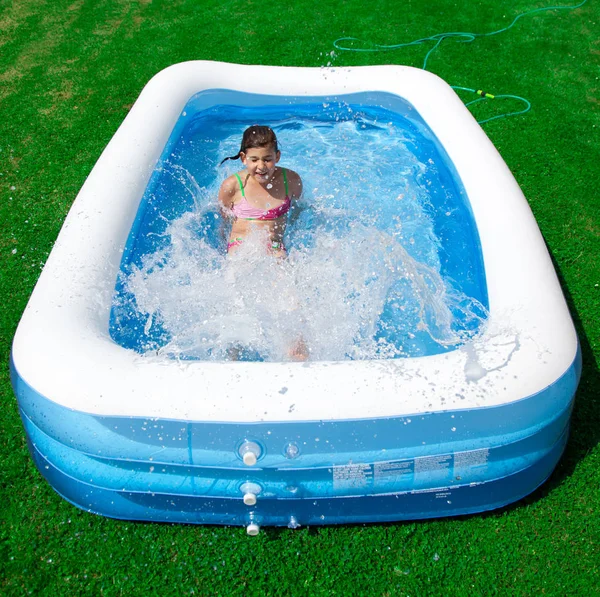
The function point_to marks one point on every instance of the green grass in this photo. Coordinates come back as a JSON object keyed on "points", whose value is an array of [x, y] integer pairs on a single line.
{"points": [[70, 71]]}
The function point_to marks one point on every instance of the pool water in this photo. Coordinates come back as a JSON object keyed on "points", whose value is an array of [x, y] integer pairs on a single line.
{"points": [[384, 259]]}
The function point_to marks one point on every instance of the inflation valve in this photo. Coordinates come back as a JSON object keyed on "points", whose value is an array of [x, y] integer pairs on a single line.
{"points": [[250, 452]]}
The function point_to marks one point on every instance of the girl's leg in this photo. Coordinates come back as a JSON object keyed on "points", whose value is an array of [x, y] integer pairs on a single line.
{"points": [[233, 353], [299, 351]]}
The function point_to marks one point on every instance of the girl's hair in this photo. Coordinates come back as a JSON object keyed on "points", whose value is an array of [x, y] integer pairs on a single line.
{"points": [[256, 136]]}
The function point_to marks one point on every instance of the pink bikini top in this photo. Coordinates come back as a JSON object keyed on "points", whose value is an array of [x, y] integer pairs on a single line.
{"points": [[244, 211]]}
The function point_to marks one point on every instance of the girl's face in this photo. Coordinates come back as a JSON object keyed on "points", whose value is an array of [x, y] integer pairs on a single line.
{"points": [[260, 162]]}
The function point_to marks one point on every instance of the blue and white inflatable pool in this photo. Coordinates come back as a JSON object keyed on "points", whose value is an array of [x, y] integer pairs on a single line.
{"points": [[124, 422]]}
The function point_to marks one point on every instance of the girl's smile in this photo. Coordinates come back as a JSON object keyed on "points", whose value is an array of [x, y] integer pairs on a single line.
{"points": [[260, 163]]}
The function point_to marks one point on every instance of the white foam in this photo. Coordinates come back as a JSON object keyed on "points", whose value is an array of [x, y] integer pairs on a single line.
{"points": [[331, 295]]}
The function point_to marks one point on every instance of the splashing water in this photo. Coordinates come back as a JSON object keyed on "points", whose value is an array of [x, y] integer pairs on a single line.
{"points": [[363, 277]]}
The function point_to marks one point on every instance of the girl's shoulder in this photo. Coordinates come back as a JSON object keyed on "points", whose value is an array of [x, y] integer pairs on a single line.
{"points": [[229, 190], [289, 172], [231, 183], [294, 182]]}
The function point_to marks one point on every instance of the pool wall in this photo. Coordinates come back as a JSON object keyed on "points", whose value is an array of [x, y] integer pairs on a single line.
{"points": [[290, 443], [307, 473]]}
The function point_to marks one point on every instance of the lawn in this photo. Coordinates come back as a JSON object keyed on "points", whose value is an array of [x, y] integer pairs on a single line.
{"points": [[69, 73]]}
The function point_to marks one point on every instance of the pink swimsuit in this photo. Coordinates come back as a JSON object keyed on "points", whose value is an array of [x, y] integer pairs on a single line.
{"points": [[244, 211]]}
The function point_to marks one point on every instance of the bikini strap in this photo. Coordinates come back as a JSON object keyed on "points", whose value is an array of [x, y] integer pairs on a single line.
{"points": [[285, 182], [242, 186], [287, 194]]}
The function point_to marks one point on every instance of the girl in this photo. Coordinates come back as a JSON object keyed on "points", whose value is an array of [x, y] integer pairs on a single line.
{"points": [[258, 200], [259, 197]]}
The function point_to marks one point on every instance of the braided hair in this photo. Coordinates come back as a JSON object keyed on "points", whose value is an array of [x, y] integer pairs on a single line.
{"points": [[255, 136]]}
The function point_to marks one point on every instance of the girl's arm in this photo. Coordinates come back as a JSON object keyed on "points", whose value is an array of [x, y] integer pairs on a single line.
{"points": [[226, 200], [227, 193], [295, 189], [295, 184]]}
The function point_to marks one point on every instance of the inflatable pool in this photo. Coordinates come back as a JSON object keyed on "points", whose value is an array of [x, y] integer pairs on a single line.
{"points": [[443, 402]]}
